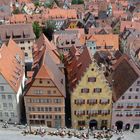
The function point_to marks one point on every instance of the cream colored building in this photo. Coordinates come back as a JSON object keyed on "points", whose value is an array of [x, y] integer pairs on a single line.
{"points": [[91, 97], [45, 94]]}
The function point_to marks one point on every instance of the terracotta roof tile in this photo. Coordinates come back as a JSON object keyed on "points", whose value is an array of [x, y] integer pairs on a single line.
{"points": [[24, 1], [12, 67], [46, 63], [124, 75], [105, 40], [57, 13], [42, 73], [18, 18], [76, 64], [129, 24]]}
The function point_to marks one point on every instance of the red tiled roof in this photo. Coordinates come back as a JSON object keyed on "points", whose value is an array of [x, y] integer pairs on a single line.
{"points": [[76, 65], [46, 63], [25, 1], [18, 18], [105, 40], [129, 24], [12, 64], [42, 73], [57, 13]]}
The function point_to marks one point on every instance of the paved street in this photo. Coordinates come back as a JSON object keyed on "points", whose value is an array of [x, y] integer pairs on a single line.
{"points": [[6, 134]]}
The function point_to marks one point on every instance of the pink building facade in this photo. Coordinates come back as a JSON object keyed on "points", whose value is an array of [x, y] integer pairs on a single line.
{"points": [[126, 110]]}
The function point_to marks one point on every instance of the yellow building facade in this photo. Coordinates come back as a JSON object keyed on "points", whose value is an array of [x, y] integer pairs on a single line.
{"points": [[91, 100], [73, 25]]}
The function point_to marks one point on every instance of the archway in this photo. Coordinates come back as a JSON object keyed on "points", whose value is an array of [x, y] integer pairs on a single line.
{"points": [[136, 126], [119, 125], [127, 126], [93, 123]]}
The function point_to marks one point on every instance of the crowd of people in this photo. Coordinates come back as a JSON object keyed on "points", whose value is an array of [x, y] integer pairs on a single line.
{"points": [[83, 134]]}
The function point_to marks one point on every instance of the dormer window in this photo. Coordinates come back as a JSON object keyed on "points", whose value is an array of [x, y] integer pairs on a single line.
{"points": [[130, 89], [138, 82], [67, 42], [123, 97], [40, 81], [72, 42]]}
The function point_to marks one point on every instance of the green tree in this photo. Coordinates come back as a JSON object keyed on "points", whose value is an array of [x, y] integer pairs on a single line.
{"points": [[37, 29], [36, 3], [49, 3], [61, 56], [16, 11], [49, 29], [77, 1]]}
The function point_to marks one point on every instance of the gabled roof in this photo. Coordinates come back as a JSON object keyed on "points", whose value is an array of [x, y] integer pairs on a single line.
{"points": [[39, 48], [124, 74], [129, 25], [105, 40], [76, 64], [12, 64], [23, 31], [18, 18], [58, 13], [56, 75], [24, 1], [46, 62], [42, 73]]}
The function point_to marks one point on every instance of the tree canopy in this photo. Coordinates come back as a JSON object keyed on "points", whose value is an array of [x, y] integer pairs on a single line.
{"points": [[36, 3], [77, 1], [16, 11], [49, 3], [37, 29], [49, 29]]}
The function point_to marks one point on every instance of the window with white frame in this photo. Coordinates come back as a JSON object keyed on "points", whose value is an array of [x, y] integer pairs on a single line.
{"points": [[6, 114], [4, 105], [3, 97], [10, 105], [12, 114], [9, 96]]}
